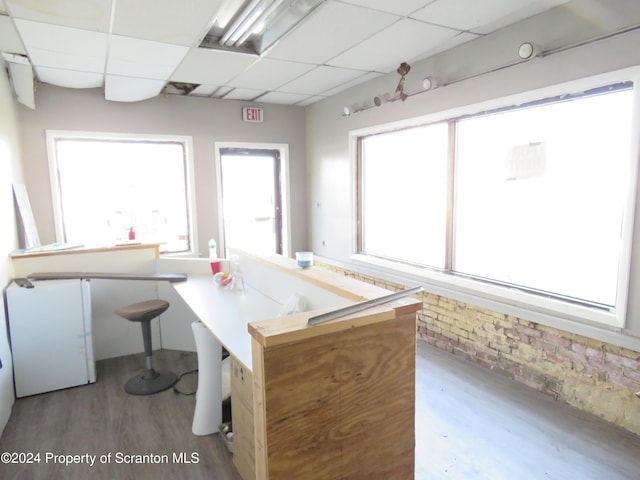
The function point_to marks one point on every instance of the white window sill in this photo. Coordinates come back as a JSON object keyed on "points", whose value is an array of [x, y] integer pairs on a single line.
{"points": [[589, 322]]}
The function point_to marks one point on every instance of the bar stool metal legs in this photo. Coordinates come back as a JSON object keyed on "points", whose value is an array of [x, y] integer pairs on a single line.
{"points": [[150, 381]]}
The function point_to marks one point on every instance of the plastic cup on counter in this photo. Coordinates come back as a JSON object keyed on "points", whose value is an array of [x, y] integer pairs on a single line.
{"points": [[216, 266], [304, 259]]}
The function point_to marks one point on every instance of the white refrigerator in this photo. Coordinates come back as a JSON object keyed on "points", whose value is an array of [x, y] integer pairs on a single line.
{"points": [[50, 335]]}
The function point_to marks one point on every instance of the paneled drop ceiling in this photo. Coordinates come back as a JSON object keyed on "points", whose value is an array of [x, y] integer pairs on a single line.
{"points": [[286, 51]]}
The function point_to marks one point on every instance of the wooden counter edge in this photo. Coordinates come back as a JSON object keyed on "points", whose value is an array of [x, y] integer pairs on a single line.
{"points": [[293, 328]]}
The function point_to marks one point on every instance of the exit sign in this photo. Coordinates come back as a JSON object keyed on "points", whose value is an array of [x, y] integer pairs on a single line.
{"points": [[252, 114]]}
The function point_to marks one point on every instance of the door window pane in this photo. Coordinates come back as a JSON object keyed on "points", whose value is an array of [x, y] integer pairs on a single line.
{"points": [[251, 200]]}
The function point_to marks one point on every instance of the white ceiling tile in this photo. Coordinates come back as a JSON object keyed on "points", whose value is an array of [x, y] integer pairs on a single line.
{"points": [[94, 15], [135, 57], [9, 38], [356, 81], [130, 89], [222, 91], [269, 74], [282, 98], [380, 52], [168, 21], [243, 94], [340, 45], [204, 90], [462, 14], [22, 82], [69, 78], [63, 47], [397, 7], [447, 44], [481, 17], [16, 58], [203, 65], [310, 100], [332, 29], [526, 9], [321, 79]]}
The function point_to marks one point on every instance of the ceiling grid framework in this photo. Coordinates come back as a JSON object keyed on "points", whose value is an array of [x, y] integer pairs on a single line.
{"points": [[306, 50]]}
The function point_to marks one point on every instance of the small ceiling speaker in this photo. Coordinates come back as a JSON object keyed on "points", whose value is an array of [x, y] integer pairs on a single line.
{"points": [[429, 83], [528, 50]]}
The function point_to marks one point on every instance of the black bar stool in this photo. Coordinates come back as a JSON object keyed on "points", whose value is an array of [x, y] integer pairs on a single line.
{"points": [[150, 381]]}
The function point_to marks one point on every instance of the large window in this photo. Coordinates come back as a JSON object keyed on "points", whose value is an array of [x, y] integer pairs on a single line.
{"points": [[110, 188], [391, 198], [531, 197]]}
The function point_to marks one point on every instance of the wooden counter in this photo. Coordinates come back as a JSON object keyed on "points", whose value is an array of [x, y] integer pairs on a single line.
{"points": [[335, 400], [328, 401]]}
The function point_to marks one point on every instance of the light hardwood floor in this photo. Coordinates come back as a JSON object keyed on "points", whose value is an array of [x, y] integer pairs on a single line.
{"points": [[470, 424], [101, 419]]}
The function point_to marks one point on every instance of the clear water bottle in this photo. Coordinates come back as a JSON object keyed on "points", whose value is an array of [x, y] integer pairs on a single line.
{"points": [[213, 253]]}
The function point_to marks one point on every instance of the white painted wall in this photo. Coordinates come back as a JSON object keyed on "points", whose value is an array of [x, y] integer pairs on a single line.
{"points": [[206, 120], [10, 171], [461, 70]]}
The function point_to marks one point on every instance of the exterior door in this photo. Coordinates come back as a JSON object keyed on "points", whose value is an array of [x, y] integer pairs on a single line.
{"points": [[251, 199]]}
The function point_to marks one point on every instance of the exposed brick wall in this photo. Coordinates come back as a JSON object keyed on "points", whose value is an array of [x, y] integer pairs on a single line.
{"points": [[593, 376]]}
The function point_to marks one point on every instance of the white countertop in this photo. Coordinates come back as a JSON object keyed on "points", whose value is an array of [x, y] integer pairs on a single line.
{"points": [[227, 312]]}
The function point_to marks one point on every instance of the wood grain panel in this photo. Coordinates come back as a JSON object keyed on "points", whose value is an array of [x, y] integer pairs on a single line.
{"points": [[242, 416], [341, 405]]}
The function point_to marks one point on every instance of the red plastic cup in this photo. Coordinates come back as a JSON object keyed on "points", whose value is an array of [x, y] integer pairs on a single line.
{"points": [[215, 266]]}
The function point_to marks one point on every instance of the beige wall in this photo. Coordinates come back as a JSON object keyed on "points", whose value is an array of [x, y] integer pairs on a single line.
{"points": [[593, 368], [206, 120], [331, 158], [10, 171]]}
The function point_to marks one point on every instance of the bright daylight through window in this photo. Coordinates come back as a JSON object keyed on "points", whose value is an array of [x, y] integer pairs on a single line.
{"points": [[116, 190], [531, 197]]}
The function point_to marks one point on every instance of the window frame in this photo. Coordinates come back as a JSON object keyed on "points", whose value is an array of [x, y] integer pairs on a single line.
{"points": [[576, 317], [186, 141]]}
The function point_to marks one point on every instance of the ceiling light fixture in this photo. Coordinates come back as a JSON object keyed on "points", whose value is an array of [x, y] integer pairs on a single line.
{"points": [[383, 98], [380, 99], [253, 26], [258, 21], [243, 22], [355, 108], [402, 70]]}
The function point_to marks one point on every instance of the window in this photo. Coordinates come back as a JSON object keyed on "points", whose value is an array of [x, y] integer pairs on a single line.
{"points": [[253, 197], [252, 212], [108, 186], [531, 197], [391, 198]]}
